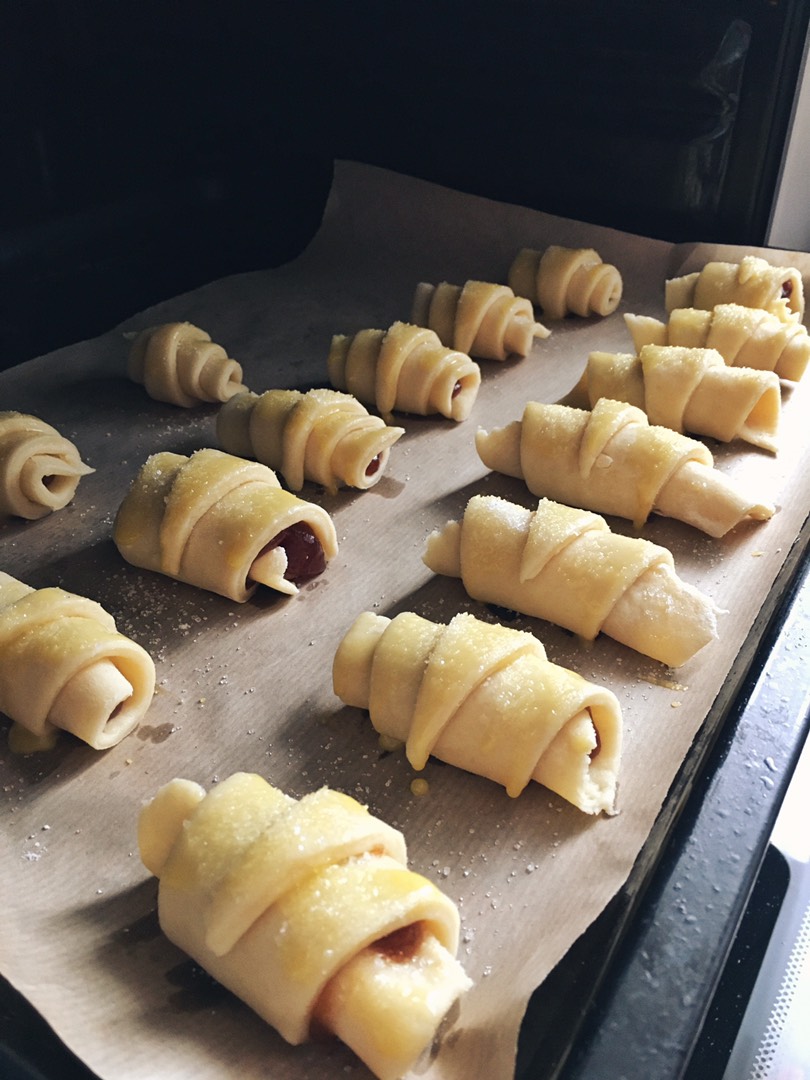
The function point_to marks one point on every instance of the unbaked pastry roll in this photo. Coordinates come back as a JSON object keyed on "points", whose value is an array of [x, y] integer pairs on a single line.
{"points": [[752, 282], [179, 363], [566, 566], [687, 389], [612, 460], [306, 911], [39, 468], [323, 436], [485, 698], [404, 368], [563, 281], [744, 337], [221, 523], [480, 318], [64, 666]]}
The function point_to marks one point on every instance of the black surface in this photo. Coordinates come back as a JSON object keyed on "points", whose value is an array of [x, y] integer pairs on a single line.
{"points": [[149, 148]]}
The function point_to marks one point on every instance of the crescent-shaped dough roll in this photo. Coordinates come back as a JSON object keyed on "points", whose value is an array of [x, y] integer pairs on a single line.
{"points": [[179, 363], [404, 368], [566, 566], [323, 436], [752, 282], [63, 665], [612, 460], [564, 281], [687, 389], [305, 909], [485, 698], [480, 318], [39, 468], [221, 523], [744, 337]]}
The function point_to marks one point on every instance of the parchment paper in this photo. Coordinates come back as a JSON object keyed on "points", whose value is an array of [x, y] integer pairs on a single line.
{"points": [[249, 687]]}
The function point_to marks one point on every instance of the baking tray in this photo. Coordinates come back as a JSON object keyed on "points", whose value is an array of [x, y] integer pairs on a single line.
{"points": [[530, 875]]}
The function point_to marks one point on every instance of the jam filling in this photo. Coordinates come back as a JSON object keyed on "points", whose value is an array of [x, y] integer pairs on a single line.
{"points": [[305, 556], [456, 390], [400, 945], [373, 466], [787, 289]]}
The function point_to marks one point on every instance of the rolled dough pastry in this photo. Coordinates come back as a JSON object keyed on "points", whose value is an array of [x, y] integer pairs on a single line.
{"points": [[221, 523], [480, 318], [63, 665], [687, 389], [566, 281], [566, 566], [486, 699], [744, 337], [323, 436], [753, 282], [404, 368], [180, 364], [39, 468], [612, 460], [306, 911]]}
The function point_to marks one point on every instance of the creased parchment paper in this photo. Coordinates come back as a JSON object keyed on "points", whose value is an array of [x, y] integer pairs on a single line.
{"points": [[249, 687]]}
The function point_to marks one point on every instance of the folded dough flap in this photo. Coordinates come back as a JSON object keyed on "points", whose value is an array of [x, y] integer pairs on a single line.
{"points": [[283, 963], [693, 389], [312, 429], [322, 828], [552, 527], [399, 342], [465, 653], [388, 1004], [398, 663], [581, 764], [663, 616], [647, 330], [206, 477], [218, 830], [249, 424], [527, 709], [351, 667], [435, 306], [39, 468], [63, 663]]}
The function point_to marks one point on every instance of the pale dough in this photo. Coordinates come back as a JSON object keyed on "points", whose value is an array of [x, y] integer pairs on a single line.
{"points": [[305, 909], [744, 337], [63, 665], [566, 566], [753, 282], [324, 436], [612, 460], [480, 318], [566, 281], [180, 364], [687, 389], [39, 468], [485, 698], [405, 368], [221, 523]]}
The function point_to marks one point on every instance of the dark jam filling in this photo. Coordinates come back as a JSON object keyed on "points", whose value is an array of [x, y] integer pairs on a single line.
{"points": [[787, 289], [457, 390], [373, 466], [305, 556], [401, 945]]}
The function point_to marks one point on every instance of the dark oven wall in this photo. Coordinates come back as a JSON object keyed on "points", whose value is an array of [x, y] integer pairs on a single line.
{"points": [[151, 147]]}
